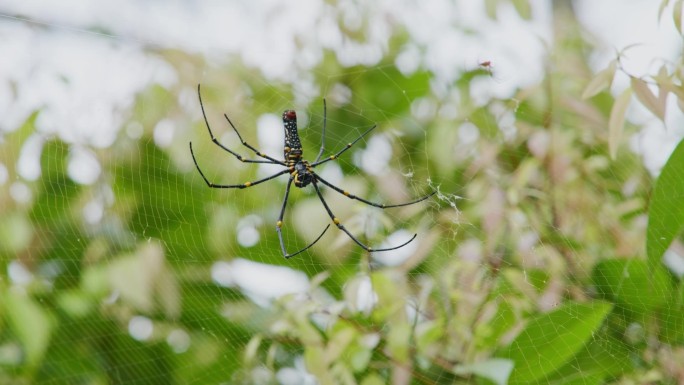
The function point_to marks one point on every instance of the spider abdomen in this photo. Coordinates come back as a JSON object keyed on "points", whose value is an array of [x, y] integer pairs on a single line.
{"points": [[293, 146]]}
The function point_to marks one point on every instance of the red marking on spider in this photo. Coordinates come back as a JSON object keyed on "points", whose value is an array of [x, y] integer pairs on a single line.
{"points": [[290, 115]]}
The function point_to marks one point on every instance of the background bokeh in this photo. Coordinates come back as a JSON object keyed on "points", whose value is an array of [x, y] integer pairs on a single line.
{"points": [[541, 125]]}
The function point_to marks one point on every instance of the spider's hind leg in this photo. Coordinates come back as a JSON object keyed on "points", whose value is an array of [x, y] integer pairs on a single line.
{"points": [[340, 226], [279, 225]]}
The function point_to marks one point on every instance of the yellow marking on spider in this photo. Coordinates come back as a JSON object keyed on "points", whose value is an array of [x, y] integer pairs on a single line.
{"points": [[349, 144], [332, 157], [247, 184], [336, 221], [345, 193], [279, 224]]}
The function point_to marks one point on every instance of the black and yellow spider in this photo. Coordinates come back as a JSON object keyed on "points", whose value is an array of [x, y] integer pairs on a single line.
{"points": [[301, 173]]}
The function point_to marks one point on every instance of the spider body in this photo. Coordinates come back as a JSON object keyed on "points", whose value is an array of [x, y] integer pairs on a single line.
{"points": [[302, 174], [292, 151]]}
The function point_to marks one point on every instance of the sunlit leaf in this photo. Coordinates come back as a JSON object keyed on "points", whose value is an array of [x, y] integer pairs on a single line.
{"points": [[496, 370], [647, 98], [666, 211], [15, 232], [616, 122], [31, 323], [373, 379], [339, 341], [665, 86], [523, 8], [491, 7], [142, 279], [661, 9], [75, 303], [398, 341], [601, 81], [252, 348], [359, 357], [314, 357], [677, 15]]}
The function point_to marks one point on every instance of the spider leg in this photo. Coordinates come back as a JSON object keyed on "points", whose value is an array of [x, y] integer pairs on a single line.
{"points": [[259, 153], [213, 139], [325, 121], [240, 186], [380, 205], [349, 145], [279, 224], [340, 226]]}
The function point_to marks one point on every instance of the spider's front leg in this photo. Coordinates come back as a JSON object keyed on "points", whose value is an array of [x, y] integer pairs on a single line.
{"points": [[241, 185], [347, 147], [279, 224], [235, 154], [380, 205]]}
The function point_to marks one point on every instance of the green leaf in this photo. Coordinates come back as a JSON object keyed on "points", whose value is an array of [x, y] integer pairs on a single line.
{"points": [[386, 92], [489, 335], [672, 320], [630, 283], [666, 211], [602, 357], [57, 192], [31, 323], [163, 201], [550, 340]]}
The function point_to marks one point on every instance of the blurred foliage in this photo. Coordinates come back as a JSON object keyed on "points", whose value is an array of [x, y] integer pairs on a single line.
{"points": [[531, 265]]}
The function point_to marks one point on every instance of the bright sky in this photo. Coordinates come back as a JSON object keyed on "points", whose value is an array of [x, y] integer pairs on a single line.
{"points": [[84, 80]]}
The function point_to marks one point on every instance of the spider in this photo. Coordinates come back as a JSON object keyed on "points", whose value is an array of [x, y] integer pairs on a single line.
{"points": [[301, 174]]}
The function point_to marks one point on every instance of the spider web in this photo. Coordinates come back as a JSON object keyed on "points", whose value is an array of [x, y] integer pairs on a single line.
{"points": [[144, 259]]}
